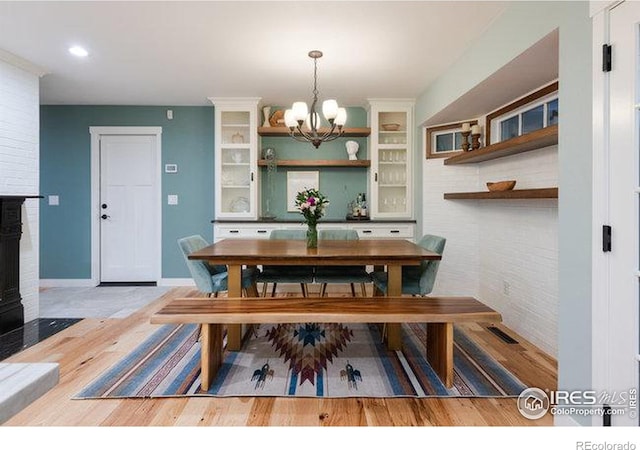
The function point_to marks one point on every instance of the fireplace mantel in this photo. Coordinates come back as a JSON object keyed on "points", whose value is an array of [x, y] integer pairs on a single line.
{"points": [[11, 308]]}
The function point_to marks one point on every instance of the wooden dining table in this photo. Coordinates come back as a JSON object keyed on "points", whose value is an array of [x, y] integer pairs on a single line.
{"points": [[239, 253]]}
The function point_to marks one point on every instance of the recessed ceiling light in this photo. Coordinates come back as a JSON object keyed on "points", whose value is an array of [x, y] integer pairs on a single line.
{"points": [[76, 50]]}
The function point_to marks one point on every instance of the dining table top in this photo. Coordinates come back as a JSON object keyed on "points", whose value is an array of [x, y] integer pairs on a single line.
{"points": [[328, 252]]}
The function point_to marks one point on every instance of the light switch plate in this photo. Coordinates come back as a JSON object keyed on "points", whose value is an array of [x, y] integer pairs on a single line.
{"points": [[172, 199], [54, 200], [171, 168]]}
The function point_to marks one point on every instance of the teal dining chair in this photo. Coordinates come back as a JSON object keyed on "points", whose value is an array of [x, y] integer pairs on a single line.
{"points": [[416, 280], [341, 274], [275, 274], [211, 279]]}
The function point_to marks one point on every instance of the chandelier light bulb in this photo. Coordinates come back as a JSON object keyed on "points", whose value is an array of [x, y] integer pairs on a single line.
{"points": [[289, 119], [330, 109], [300, 111], [341, 117]]}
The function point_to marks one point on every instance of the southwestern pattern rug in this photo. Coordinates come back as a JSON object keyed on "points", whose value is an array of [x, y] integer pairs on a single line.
{"points": [[305, 360]]}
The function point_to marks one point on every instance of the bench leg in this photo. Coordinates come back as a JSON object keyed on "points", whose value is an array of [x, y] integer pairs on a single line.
{"points": [[440, 350], [210, 353]]}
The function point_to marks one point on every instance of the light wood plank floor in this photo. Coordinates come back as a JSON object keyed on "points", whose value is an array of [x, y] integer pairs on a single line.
{"points": [[91, 346]]}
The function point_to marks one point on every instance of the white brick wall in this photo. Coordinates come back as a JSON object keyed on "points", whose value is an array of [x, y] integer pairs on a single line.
{"points": [[505, 252], [20, 168]]}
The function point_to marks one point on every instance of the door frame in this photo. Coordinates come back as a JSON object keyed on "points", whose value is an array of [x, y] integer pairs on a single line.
{"points": [[602, 310], [96, 134]]}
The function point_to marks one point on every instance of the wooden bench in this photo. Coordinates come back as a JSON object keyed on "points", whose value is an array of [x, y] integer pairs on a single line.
{"points": [[439, 313]]}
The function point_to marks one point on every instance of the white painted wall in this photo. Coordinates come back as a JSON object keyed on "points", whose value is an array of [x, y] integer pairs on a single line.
{"points": [[20, 164], [504, 252]]}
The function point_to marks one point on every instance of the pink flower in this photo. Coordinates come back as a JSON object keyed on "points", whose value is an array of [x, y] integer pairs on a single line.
{"points": [[311, 201]]}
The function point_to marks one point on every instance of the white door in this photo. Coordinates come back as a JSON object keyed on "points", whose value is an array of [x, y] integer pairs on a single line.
{"points": [[129, 209], [624, 196]]}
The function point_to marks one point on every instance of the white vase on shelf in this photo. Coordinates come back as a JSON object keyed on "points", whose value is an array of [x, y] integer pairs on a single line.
{"points": [[267, 114]]}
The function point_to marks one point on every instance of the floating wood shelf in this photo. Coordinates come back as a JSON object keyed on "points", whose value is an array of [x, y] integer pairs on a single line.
{"points": [[514, 194], [525, 143], [318, 163], [284, 131]]}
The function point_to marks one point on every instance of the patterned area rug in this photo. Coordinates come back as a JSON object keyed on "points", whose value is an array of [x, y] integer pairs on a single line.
{"points": [[306, 360]]}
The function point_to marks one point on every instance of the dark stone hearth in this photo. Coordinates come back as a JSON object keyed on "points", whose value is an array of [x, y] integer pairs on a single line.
{"points": [[30, 334]]}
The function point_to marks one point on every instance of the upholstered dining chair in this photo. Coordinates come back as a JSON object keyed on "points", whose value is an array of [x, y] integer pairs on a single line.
{"points": [[274, 274], [211, 279], [341, 274], [416, 280]]}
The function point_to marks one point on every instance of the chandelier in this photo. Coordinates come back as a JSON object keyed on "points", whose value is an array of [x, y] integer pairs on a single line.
{"points": [[300, 115]]}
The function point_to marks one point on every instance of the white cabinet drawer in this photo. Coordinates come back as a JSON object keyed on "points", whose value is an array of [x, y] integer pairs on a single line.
{"points": [[386, 231], [241, 231]]}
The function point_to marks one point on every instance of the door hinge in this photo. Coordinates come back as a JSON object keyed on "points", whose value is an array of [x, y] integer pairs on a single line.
{"points": [[606, 238], [606, 58]]}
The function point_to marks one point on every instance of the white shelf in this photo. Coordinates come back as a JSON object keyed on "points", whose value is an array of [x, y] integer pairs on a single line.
{"points": [[235, 125], [232, 146], [246, 186], [235, 164]]}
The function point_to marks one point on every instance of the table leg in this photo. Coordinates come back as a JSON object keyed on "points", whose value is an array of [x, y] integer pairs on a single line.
{"points": [[234, 283], [210, 353], [440, 350], [394, 288]]}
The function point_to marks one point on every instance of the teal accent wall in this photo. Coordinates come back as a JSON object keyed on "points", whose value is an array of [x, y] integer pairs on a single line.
{"points": [[339, 184], [65, 163], [520, 26]]}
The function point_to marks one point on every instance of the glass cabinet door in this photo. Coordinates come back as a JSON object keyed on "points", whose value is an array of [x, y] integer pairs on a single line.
{"points": [[235, 157], [393, 163], [235, 162]]}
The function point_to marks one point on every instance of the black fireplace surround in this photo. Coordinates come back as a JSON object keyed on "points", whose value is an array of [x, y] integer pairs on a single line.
{"points": [[11, 308]]}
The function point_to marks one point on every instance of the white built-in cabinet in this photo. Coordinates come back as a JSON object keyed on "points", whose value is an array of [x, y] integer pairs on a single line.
{"points": [[391, 144], [236, 158]]}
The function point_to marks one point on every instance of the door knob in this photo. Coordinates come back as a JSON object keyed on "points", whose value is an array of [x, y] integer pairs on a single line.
{"points": [[104, 216], [104, 206]]}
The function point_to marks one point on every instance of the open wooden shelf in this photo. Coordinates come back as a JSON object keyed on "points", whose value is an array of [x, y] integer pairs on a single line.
{"points": [[514, 194], [525, 143], [318, 163], [284, 131]]}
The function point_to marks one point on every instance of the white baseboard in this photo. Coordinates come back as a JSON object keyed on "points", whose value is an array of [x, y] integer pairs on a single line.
{"points": [[176, 282], [67, 282]]}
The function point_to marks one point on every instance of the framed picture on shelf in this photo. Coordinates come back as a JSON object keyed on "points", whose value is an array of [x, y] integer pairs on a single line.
{"points": [[299, 181]]}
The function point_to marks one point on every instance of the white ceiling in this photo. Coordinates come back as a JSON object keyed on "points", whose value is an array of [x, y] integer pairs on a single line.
{"points": [[180, 53]]}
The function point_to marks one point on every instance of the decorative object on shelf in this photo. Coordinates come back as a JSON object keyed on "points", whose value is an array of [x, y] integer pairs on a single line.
{"points": [[237, 157], [277, 119], [300, 114], [240, 205], [352, 149], [311, 203], [466, 131], [500, 186], [237, 138], [266, 111], [475, 137], [390, 126], [272, 166]]}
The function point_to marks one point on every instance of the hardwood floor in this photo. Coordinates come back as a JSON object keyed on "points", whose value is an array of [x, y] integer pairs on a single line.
{"points": [[89, 347]]}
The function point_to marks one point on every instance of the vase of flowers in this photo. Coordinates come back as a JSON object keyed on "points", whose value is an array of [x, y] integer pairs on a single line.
{"points": [[311, 204]]}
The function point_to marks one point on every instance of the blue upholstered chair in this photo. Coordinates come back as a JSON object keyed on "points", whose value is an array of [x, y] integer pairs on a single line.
{"points": [[210, 279], [416, 280], [341, 274], [286, 274]]}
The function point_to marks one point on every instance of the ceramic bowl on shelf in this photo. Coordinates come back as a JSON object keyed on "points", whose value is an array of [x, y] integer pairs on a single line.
{"points": [[499, 186], [390, 126]]}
